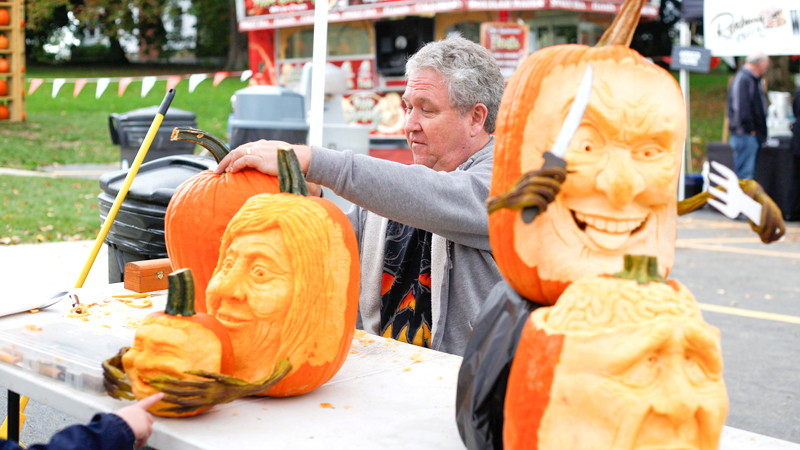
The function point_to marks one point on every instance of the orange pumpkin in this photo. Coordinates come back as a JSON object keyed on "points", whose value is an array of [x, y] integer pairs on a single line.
{"points": [[3, 41], [3, 87], [175, 340], [4, 18], [201, 208], [286, 286], [627, 360], [4, 112], [3, 65], [623, 163]]}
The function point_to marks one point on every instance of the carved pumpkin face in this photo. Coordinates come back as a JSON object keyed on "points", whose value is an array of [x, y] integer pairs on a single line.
{"points": [[165, 345], [631, 366], [286, 287], [197, 215], [175, 340], [620, 194]]}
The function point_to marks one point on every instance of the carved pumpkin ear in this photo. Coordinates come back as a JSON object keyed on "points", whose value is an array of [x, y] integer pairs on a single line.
{"points": [[621, 30]]}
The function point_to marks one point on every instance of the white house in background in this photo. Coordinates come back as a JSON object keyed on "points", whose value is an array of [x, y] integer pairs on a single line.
{"points": [[185, 23]]}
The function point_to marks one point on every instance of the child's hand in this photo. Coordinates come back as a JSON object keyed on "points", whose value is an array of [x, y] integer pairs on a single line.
{"points": [[137, 417]]}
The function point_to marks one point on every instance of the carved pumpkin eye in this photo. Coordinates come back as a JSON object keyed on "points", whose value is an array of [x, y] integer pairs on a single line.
{"points": [[643, 373], [228, 263], [649, 152]]}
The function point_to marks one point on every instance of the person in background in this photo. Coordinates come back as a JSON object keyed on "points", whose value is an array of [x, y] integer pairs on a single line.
{"points": [[120, 431], [747, 114], [422, 229]]}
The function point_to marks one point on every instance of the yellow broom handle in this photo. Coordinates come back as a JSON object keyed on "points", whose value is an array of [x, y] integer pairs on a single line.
{"points": [[112, 213]]}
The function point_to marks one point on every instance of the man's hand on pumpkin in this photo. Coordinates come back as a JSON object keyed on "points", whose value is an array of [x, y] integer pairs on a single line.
{"points": [[263, 156], [114, 377], [214, 389]]}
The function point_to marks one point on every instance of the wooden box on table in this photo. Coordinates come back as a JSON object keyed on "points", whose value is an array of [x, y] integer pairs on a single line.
{"points": [[147, 276]]}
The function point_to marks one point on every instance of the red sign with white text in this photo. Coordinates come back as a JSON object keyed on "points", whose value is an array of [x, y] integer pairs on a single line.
{"points": [[507, 42]]}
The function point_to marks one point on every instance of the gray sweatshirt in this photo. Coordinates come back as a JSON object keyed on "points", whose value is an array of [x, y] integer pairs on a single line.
{"points": [[448, 204]]}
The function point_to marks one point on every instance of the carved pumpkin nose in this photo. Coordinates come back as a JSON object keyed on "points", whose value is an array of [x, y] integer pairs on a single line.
{"points": [[619, 180], [677, 400]]}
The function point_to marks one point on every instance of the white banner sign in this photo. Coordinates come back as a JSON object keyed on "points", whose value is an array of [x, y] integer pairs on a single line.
{"points": [[739, 28]]}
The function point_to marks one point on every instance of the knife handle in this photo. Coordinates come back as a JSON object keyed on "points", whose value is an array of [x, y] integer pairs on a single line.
{"points": [[550, 160]]}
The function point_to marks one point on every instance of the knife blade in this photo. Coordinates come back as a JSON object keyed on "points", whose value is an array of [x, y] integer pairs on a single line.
{"points": [[555, 157]]}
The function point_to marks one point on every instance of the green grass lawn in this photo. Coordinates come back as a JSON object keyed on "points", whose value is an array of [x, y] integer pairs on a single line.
{"points": [[67, 130], [38, 209]]}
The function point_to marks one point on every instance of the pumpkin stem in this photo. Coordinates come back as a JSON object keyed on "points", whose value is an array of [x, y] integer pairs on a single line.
{"points": [[641, 268], [290, 175], [621, 30], [180, 297], [214, 145]]}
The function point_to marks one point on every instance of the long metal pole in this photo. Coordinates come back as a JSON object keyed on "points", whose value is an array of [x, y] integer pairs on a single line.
{"points": [[318, 62], [686, 158]]}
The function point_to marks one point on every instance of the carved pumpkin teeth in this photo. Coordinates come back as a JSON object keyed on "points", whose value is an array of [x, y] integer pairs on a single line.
{"points": [[606, 224]]}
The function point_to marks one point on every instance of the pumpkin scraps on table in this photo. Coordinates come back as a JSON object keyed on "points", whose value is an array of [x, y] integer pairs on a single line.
{"points": [[293, 259]]}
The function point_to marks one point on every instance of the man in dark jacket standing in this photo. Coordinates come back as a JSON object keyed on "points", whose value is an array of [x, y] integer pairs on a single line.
{"points": [[747, 112]]}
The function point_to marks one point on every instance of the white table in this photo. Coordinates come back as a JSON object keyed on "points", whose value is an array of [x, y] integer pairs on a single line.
{"points": [[387, 395]]}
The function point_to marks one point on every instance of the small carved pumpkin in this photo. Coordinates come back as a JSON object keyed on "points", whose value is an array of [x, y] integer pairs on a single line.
{"points": [[3, 65], [4, 113], [286, 285], [619, 362], [4, 17], [201, 208], [4, 88], [623, 163], [3, 41], [175, 340]]}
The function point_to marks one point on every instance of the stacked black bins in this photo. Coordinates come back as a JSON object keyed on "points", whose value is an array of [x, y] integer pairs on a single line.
{"points": [[268, 112], [129, 129], [138, 231]]}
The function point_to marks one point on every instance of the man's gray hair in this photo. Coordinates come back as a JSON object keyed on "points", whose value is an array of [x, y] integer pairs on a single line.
{"points": [[470, 72], [755, 58]]}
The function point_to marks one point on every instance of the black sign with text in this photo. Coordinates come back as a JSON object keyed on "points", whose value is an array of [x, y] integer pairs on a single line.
{"points": [[693, 59]]}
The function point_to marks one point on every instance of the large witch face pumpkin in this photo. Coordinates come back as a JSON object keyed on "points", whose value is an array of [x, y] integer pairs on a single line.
{"points": [[286, 287], [623, 162], [629, 365]]}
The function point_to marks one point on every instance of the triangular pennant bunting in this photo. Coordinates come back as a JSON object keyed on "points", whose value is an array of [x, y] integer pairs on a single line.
{"points": [[123, 84], [57, 83], [79, 84], [35, 83], [147, 84], [219, 76], [102, 84], [195, 79], [173, 81]]}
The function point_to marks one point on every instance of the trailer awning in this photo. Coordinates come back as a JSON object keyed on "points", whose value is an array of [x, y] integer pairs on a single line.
{"points": [[282, 15]]}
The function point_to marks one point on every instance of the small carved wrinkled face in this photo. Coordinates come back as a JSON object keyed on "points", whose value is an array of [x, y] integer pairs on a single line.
{"points": [[252, 292], [170, 347], [654, 386], [620, 194]]}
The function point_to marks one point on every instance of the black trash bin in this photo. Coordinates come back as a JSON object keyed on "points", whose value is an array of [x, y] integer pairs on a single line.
{"points": [[129, 129], [268, 112], [138, 231]]}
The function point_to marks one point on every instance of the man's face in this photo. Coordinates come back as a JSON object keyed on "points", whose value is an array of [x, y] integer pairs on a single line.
{"points": [[436, 133], [620, 194], [160, 349], [252, 293], [655, 386]]}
